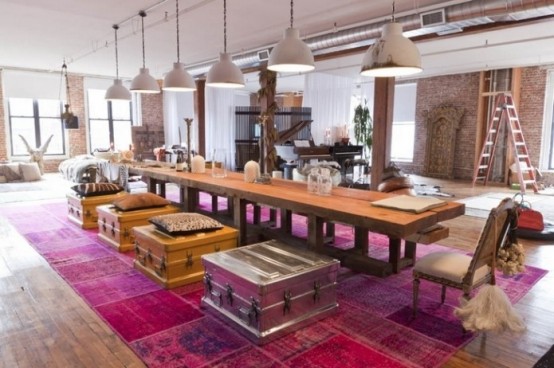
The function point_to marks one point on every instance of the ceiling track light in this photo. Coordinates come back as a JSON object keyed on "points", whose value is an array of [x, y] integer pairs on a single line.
{"points": [[144, 82], [392, 55], [178, 79], [117, 91], [291, 54], [224, 73]]}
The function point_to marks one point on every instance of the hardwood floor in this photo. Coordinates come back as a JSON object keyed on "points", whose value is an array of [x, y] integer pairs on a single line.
{"points": [[43, 323]]}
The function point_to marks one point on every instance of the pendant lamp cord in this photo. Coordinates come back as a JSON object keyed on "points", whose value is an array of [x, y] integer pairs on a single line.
{"points": [[392, 18], [225, 26], [177, 20], [116, 27], [67, 96], [291, 13], [143, 14]]}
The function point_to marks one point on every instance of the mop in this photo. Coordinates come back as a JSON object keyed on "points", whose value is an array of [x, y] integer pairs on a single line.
{"points": [[490, 310]]}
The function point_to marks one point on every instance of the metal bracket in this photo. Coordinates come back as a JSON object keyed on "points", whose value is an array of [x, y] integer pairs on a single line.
{"points": [[160, 270], [229, 295], [287, 302], [189, 262], [247, 315], [208, 281], [317, 291]]}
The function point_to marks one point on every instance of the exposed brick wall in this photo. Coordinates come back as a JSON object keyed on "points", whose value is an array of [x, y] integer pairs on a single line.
{"points": [[531, 108], [152, 110], [461, 91], [3, 135]]}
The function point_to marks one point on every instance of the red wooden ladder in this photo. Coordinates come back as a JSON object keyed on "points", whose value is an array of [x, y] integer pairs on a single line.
{"points": [[504, 112]]}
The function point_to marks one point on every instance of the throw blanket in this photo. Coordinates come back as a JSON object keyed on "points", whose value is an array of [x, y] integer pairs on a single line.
{"points": [[74, 169]]}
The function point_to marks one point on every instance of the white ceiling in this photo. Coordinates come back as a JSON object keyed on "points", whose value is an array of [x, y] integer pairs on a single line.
{"points": [[39, 34]]}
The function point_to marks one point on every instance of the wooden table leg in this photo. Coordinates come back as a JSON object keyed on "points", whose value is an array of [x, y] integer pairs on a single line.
{"points": [[215, 207], [394, 253], [410, 251], [151, 184], [257, 215], [361, 241], [286, 221], [315, 232], [190, 199], [239, 218]]}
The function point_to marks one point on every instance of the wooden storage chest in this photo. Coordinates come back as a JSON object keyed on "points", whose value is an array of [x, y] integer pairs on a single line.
{"points": [[176, 261], [82, 210], [268, 289], [114, 226]]}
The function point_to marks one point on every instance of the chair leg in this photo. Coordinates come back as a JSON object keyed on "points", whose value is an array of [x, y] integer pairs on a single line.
{"points": [[415, 296], [443, 294]]}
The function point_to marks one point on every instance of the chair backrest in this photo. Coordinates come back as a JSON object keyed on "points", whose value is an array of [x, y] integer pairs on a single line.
{"points": [[492, 236]]}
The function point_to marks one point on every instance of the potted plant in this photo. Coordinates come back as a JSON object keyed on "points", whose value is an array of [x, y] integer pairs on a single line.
{"points": [[363, 128]]}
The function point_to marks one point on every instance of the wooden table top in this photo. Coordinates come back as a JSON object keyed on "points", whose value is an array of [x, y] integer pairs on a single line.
{"points": [[351, 206]]}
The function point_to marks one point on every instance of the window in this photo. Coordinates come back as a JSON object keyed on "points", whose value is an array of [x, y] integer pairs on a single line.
{"points": [[36, 121], [109, 122], [403, 125], [402, 146]]}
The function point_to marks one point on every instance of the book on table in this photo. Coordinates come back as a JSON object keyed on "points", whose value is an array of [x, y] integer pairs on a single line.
{"points": [[409, 203]]}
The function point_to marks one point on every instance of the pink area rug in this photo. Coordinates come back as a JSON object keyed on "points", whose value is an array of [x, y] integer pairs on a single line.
{"points": [[167, 328]]}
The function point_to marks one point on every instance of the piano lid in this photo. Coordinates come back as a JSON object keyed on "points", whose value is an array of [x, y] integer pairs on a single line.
{"points": [[286, 134]]}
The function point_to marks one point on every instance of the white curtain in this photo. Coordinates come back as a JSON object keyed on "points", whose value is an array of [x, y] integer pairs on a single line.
{"points": [[367, 92], [220, 123], [178, 106], [329, 96]]}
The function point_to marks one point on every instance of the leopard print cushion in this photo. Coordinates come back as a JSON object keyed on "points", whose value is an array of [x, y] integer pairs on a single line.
{"points": [[184, 223], [96, 189]]}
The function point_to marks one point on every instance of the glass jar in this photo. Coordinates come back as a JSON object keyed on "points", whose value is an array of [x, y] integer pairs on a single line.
{"points": [[325, 182], [219, 163], [313, 178]]}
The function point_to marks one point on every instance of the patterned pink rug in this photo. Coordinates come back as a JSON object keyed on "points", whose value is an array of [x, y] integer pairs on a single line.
{"points": [[372, 328]]}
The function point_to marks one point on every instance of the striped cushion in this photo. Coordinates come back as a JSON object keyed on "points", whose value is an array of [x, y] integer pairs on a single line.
{"points": [[96, 189]]}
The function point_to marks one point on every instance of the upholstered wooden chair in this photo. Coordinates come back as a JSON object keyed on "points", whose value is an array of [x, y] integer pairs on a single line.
{"points": [[461, 271]]}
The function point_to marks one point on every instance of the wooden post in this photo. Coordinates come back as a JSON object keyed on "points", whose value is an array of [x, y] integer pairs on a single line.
{"points": [[200, 108], [383, 107], [188, 121], [266, 95]]}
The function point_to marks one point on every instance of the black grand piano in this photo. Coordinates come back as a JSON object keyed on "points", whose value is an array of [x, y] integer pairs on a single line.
{"points": [[299, 151]]}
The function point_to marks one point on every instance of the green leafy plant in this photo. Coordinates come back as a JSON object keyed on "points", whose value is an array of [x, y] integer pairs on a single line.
{"points": [[363, 127]]}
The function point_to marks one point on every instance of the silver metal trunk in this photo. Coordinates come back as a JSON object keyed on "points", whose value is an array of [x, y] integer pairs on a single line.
{"points": [[268, 289]]}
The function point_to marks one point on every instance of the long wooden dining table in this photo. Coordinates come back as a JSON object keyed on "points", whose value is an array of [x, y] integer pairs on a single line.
{"points": [[344, 205]]}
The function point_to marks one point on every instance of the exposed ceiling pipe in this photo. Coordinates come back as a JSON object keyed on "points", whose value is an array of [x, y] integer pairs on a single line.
{"points": [[458, 17]]}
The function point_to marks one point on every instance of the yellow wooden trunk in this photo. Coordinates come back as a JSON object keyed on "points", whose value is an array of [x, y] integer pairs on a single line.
{"points": [[82, 210], [115, 226], [176, 261]]}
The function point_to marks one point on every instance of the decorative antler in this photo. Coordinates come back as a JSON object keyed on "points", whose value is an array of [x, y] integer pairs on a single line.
{"points": [[29, 149], [44, 147]]}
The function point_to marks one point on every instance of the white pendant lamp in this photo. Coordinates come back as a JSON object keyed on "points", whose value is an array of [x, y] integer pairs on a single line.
{"points": [[291, 54], [178, 79], [392, 55], [144, 82], [224, 73], [117, 91]]}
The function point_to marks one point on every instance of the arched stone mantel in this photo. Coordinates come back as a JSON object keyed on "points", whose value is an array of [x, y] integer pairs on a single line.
{"points": [[442, 124]]}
